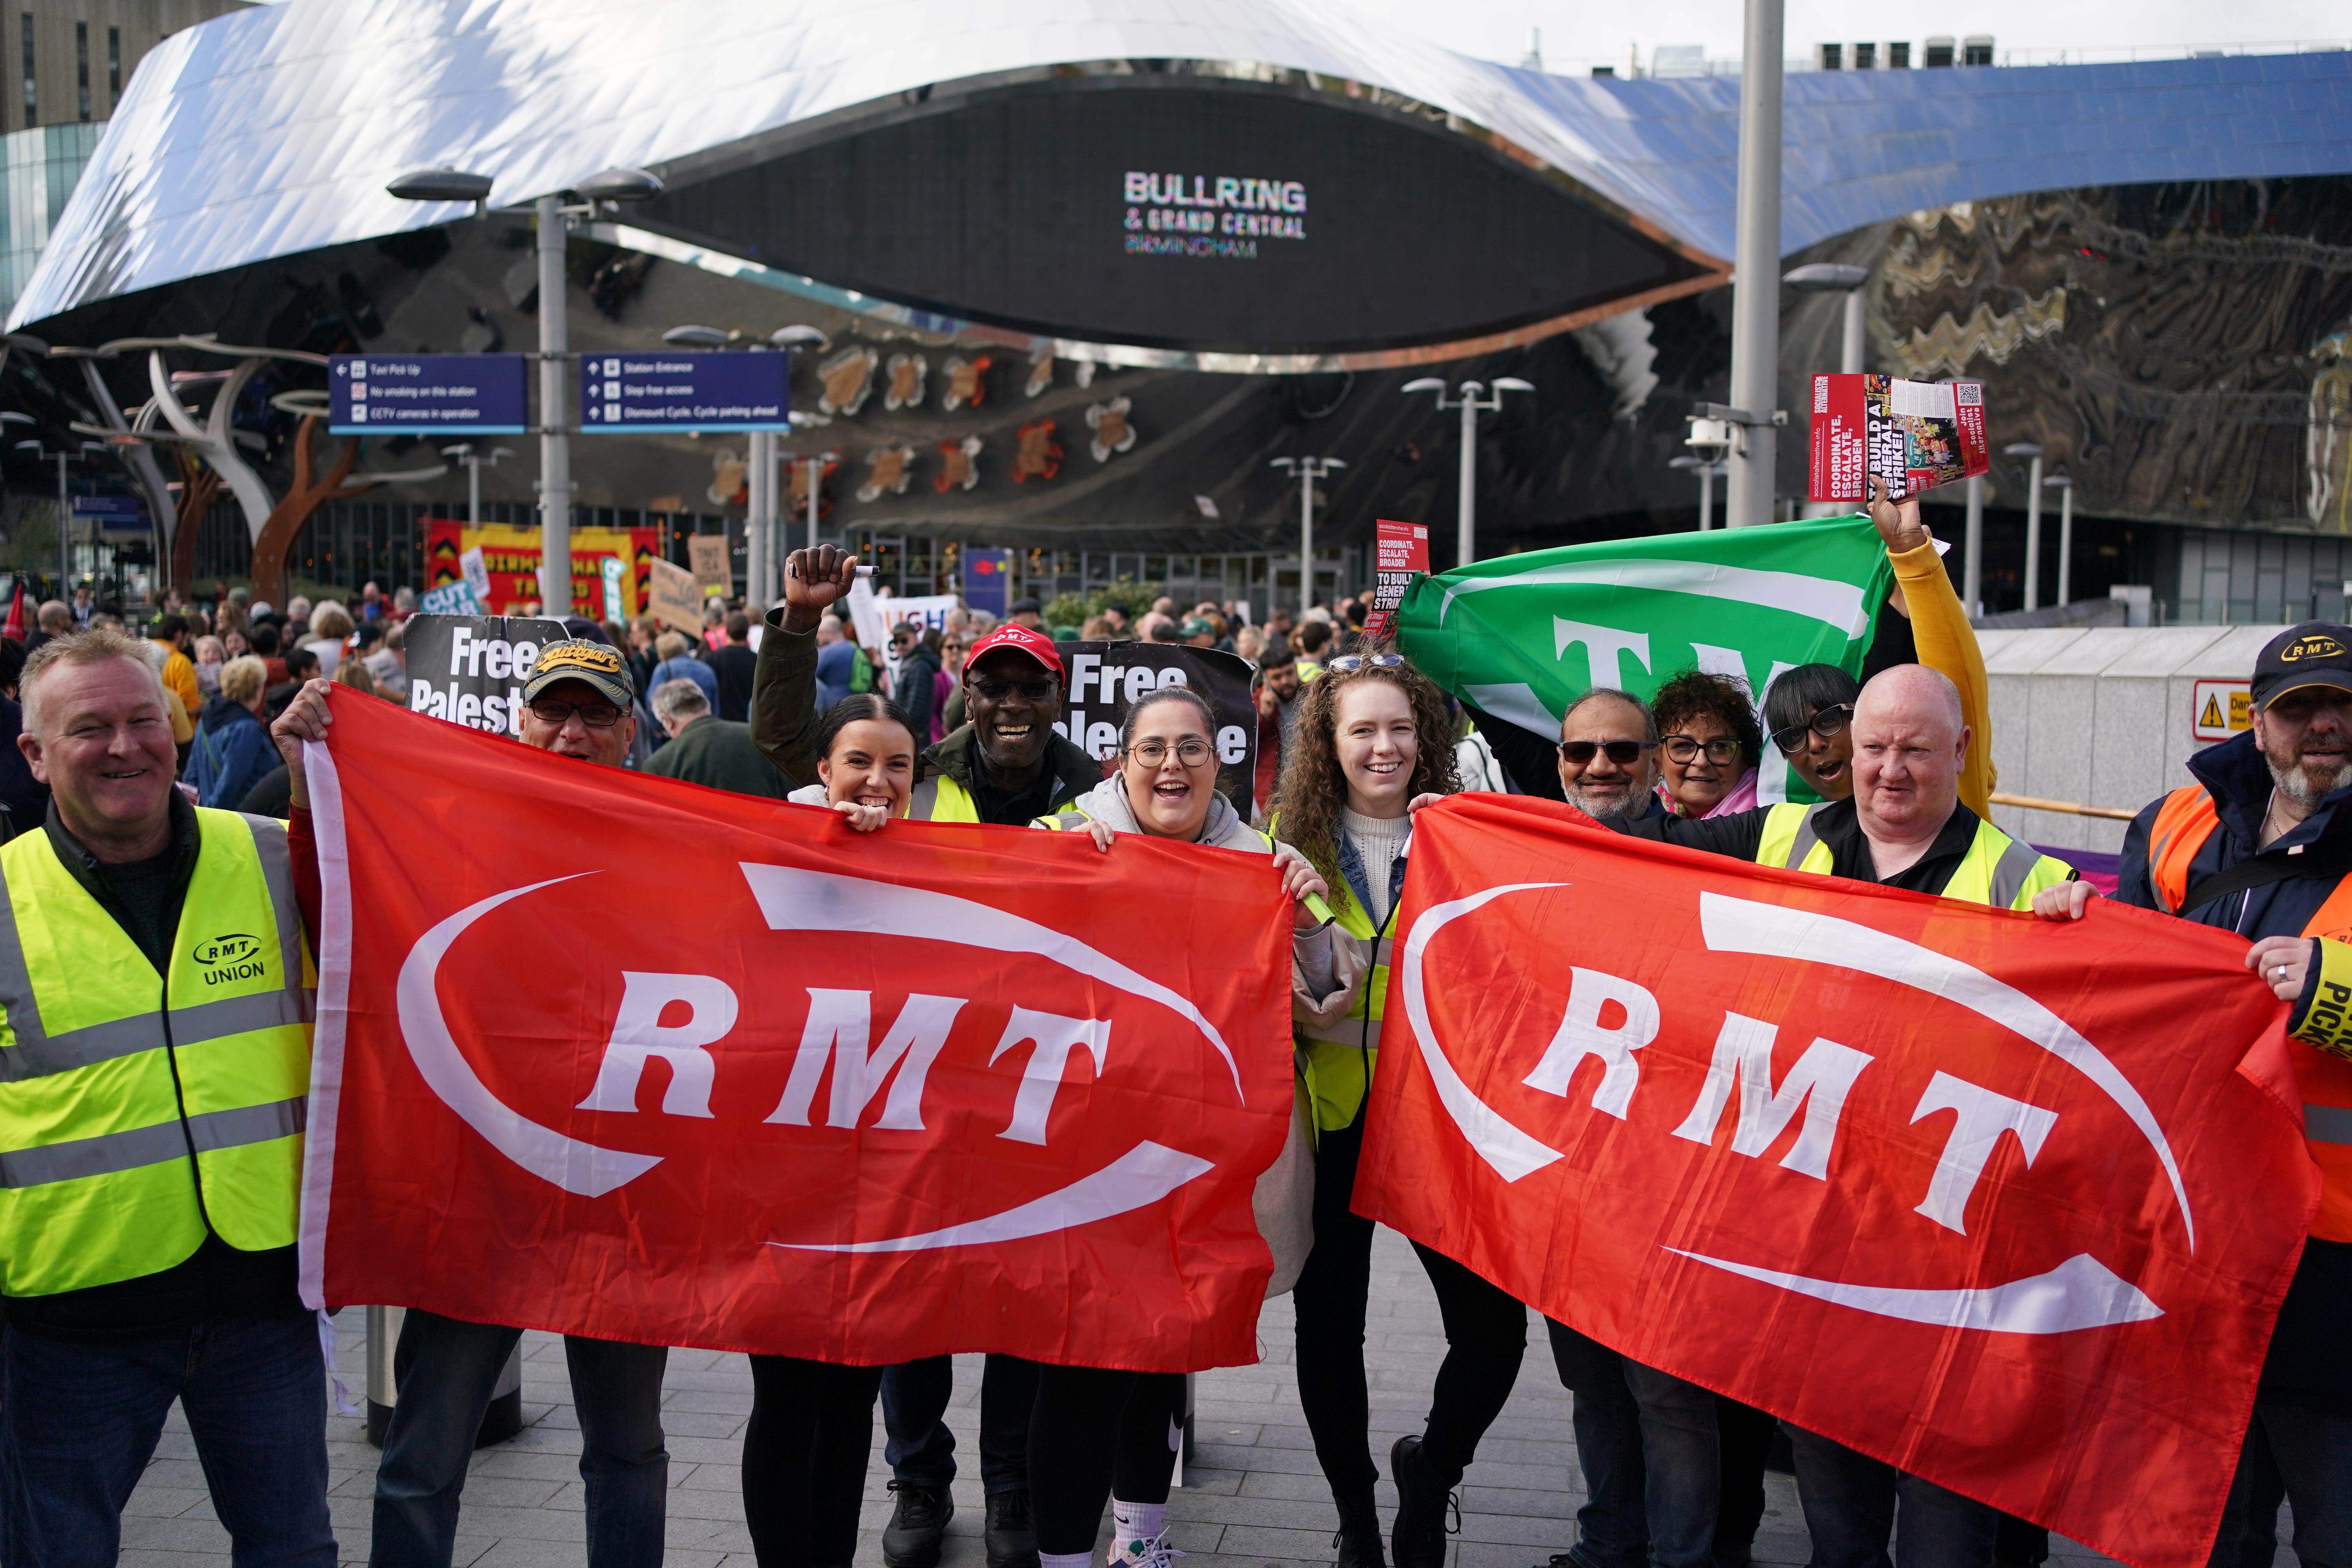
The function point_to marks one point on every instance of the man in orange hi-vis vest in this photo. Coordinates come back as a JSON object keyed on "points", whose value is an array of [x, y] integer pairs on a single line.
{"points": [[2257, 845]]}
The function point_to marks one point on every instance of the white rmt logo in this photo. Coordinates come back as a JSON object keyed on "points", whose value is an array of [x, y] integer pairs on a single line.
{"points": [[837, 1051], [2079, 1293]]}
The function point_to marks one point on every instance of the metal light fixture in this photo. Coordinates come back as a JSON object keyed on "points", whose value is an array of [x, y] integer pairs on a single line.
{"points": [[1837, 277], [620, 185], [1307, 471], [441, 185], [691, 337], [1471, 405]]}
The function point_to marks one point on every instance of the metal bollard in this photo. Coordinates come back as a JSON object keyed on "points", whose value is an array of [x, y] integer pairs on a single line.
{"points": [[501, 1421]]}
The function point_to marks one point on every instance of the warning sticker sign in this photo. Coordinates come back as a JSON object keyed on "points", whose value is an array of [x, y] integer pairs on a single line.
{"points": [[2220, 709]]}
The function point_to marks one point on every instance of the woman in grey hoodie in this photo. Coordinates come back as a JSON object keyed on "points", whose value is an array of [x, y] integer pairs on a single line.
{"points": [[1097, 1431]]}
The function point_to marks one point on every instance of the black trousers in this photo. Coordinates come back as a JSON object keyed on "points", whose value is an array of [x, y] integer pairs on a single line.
{"points": [[1486, 1338], [1747, 1434], [804, 1452], [1329, 1302], [1095, 1434]]}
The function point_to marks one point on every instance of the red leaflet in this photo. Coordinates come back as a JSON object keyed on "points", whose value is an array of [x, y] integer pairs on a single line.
{"points": [[2009, 1204], [628, 1057]]}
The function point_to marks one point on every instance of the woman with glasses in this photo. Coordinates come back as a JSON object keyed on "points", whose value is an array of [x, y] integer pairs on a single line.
{"points": [[1373, 740], [1709, 744], [1095, 1433], [1807, 710]]}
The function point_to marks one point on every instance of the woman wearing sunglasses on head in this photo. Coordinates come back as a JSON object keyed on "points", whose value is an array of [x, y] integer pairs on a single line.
{"points": [[1094, 1433], [1373, 740]]}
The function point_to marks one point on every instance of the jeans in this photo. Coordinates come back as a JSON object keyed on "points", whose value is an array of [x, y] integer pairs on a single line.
{"points": [[920, 1448], [1486, 1340], [443, 1371], [2303, 1456], [1850, 1503], [78, 1421], [1649, 1449], [1327, 1306], [804, 1454], [1748, 1434]]}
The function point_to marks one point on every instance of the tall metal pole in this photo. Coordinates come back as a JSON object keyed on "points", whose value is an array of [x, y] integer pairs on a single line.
{"points": [[1705, 497], [2033, 535], [1306, 538], [815, 478], [1849, 362], [554, 415], [473, 490], [1756, 276], [2065, 543], [65, 533], [758, 520], [1465, 539], [1972, 577]]}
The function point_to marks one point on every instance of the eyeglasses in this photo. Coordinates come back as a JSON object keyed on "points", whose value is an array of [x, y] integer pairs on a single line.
{"points": [[997, 687], [1625, 754], [595, 715], [1686, 748], [1349, 662], [1825, 722], [1192, 753]]}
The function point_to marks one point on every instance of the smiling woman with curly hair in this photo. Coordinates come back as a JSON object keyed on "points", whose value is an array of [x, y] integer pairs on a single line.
{"points": [[1374, 740]]}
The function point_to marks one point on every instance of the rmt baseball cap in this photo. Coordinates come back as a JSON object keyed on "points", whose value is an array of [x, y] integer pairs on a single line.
{"points": [[598, 664], [1011, 635], [2317, 653]]}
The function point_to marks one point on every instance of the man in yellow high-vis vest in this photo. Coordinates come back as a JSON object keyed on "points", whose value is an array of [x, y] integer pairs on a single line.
{"points": [[154, 1063]]}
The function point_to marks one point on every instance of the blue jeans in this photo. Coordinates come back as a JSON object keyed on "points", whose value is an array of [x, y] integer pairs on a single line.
{"points": [[920, 1448], [2300, 1455], [1851, 1504], [78, 1421], [1652, 1461], [444, 1372]]}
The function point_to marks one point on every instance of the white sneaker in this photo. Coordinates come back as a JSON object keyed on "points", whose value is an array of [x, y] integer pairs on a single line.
{"points": [[1153, 1553]]}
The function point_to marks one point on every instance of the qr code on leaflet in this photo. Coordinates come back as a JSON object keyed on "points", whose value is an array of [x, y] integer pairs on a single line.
{"points": [[1968, 394]]}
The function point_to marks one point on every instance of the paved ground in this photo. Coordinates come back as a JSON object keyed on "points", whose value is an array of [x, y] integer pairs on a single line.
{"points": [[1254, 1494]]}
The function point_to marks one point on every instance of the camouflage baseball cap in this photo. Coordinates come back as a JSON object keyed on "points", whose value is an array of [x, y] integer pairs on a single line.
{"points": [[598, 664]]}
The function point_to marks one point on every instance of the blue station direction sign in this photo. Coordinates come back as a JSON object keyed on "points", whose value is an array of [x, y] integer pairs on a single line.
{"points": [[427, 395], [116, 515], [627, 393]]}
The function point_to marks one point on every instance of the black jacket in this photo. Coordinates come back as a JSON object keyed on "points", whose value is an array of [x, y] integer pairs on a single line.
{"points": [[2310, 1360], [737, 668], [1068, 774]]}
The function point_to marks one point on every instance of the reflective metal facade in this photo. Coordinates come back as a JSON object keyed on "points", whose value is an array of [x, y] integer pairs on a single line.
{"points": [[272, 131]]}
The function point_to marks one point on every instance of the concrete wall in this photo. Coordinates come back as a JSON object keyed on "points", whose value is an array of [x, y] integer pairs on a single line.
{"points": [[2101, 716]]}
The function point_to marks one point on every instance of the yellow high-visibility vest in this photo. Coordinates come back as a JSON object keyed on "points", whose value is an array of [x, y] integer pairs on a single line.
{"points": [[135, 1106], [1997, 870]]}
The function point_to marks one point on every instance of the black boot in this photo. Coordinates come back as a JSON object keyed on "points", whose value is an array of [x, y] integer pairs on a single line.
{"points": [[1418, 1540], [919, 1521], [1011, 1540], [1358, 1539]]}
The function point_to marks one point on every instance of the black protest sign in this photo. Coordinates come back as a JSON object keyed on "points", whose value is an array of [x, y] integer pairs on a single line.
{"points": [[1104, 680], [470, 670]]}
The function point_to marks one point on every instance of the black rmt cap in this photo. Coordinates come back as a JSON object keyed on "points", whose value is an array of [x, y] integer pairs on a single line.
{"points": [[2317, 653]]}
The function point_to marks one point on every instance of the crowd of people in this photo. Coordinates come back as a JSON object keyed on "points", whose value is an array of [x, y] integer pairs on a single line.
{"points": [[151, 1162]]}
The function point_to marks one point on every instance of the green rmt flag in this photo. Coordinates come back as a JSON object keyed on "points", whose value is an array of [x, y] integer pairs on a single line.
{"points": [[1521, 637]]}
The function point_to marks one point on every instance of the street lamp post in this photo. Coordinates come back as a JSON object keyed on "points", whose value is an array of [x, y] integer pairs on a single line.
{"points": [[474, 462], [554, 218], [2065, 486], [1307, 471], [1972, 540], [1836, 277], [1707, 468], [815, 463], [2033, 454], [1466, 399], [1756, 276], [64, 516]]}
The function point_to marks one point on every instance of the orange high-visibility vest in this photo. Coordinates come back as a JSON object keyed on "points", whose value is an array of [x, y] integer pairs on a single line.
{"points": [[2183, 823]]}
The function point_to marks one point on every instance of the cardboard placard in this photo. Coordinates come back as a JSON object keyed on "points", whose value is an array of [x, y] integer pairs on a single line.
{"points": [[706, 556], [673, 598]]}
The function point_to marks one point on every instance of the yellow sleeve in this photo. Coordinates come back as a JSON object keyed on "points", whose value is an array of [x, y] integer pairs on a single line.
{"points": [[183, 728], [2323, 1013], [1948, 643]]}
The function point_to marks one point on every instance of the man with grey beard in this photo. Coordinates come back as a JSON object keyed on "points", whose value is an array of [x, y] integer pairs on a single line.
{"points": [[2255, 846], [1609, 757]]}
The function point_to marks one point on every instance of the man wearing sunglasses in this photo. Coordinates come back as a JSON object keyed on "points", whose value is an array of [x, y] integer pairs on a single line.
{"points": [[578, 703], [1608, 757]]}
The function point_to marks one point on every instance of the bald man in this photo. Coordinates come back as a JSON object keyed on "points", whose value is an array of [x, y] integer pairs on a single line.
{"points": [[1904, 827]]}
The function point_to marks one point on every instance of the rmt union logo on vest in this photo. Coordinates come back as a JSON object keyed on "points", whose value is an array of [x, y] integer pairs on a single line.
{"points": [[226, 958]]}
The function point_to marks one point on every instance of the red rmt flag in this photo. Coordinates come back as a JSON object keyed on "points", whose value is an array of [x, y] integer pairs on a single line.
{"points": [[2006, 1203], [623, 1056]]}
